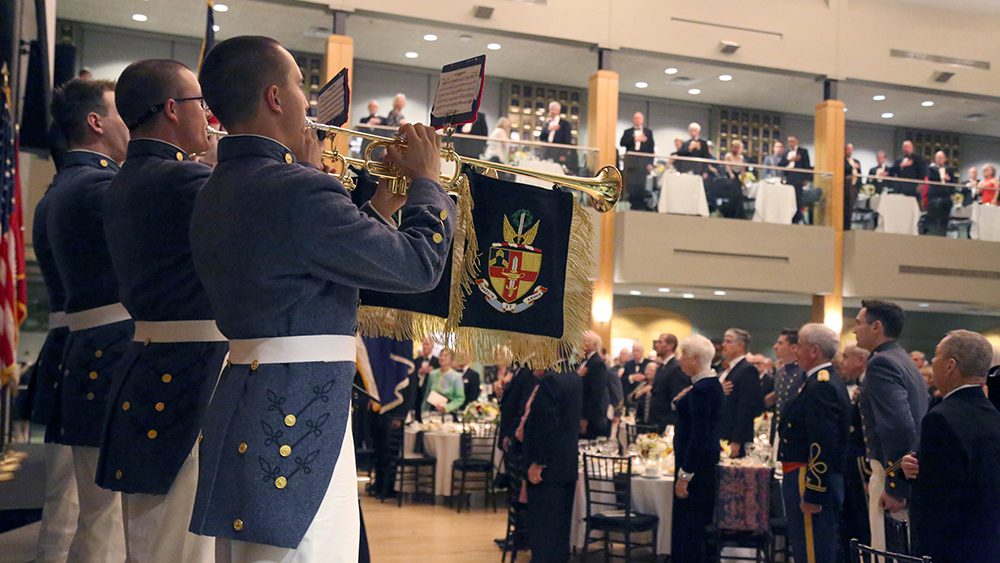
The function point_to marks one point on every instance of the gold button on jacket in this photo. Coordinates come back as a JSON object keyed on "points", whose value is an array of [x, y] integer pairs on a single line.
{"points": [[290, 420], [281, 483], [285, 450], [237, 524], [167, 378], [243, 447], [437, 238], [151, 434]]}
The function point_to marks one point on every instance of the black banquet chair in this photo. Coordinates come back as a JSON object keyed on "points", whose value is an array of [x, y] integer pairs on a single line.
{"points": [[473, 470], [865, 554], [608, 492], [632, 431], [416, 470]]}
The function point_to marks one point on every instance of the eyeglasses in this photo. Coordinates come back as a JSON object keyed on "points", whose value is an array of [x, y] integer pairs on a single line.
{"points": [[153, 110]]}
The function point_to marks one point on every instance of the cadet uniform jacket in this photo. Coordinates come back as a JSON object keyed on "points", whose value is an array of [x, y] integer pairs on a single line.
{"points": [[75, 227], [814, 430], [893, 402], [282, 251], [161, 390], [47, 366]]}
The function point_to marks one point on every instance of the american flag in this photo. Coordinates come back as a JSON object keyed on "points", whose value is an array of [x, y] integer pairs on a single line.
{"points": [[13, 298]]}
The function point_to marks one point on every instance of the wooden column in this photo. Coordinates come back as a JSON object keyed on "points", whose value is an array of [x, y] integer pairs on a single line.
{"points": [[602, 121], [829, 309], [339, 53]]}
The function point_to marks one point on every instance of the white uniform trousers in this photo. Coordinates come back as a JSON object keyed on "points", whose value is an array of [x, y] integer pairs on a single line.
{"points": [[876, 514], [156, 526], [99, 532], [332, 537], [61, 508]]}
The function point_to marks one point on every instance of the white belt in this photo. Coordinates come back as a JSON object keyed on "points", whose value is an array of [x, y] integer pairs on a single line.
{"points": [[177, 331], [99, 316], [294, 349], [57, 319]]}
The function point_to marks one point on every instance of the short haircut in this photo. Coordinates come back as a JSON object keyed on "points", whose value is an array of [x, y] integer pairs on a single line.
{"points": [[589, 334], [670, 339], [888, 313], [694, 125], [918, 354], [144, 85], [791, 335], [822, 336], [235, 74], [855, 350], [74, 101], [973, 354], [741, 335], [698, 347]]}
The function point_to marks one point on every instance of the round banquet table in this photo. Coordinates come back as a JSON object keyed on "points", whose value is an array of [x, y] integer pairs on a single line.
{"points": [[650, 495], [682, 194], [986, 222], [444, 447], [899, 214], [775, 203]]}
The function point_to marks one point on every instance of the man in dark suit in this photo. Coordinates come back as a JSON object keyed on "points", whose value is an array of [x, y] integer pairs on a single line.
{"points": [[423, 364], [854, 517], [852, 181], [638, 139], [550, 447], [558, 131], [879, 171], [796, 157], [635, 369], [893, 402], [813, 449], [594, 372], [470, 379], [696, 446], [939, 197], [696, 147], [669, 382], [956, 494], [741, 383], [910, 166]]}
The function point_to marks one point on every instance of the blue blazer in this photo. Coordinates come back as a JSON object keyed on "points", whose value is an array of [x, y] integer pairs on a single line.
{"points": [[282, 251], [75, 226], [152, 422]]}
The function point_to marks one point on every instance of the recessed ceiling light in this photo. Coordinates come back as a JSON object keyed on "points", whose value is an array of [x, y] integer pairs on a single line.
{"points": [[641, 84], [430, 37], [465, 37], [688, 296], [664, 290], [725, 77], [888, 115], [719, 292], [220, 8], [634, 292], [493, 46], [845, 110], [878, 98], [216, 28], [927, 103], [411, 55], [139, 17], [671, 70], [694, 91], [923, 305]]}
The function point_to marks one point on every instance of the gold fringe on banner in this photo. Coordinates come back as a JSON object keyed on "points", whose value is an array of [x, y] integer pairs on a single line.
{"points": [[409, 325], [542, 351]]}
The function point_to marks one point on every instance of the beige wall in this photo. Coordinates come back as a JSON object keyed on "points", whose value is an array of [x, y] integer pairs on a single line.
{"points": [[844, 39], [645, 324]]}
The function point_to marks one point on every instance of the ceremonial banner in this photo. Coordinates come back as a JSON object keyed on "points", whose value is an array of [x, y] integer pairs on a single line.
{"points": [[531, 294], [385, 365]]}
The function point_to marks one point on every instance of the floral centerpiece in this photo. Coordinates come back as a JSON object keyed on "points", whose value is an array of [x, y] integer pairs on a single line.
{"points": [[481, 411], [653, 446]]}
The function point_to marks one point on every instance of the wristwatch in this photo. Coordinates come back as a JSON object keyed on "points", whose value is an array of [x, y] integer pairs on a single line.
{"points": [[685, 475]]}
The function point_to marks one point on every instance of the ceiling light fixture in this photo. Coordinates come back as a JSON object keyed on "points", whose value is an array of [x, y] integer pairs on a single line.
{"points": [[216, 28], [879, 97], [927, 103], [139, 17], [719, 292], [641, 84], [888, 115], [220, 8], [634, 292], [923, 305], [664, 290], [493, 46], [411, 54], [688, 296], [430, 37], [694, 91], [671, 70], [725, 77]]}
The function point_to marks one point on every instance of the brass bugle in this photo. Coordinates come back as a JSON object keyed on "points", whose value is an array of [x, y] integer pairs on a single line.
{"points": [[604, 189]]}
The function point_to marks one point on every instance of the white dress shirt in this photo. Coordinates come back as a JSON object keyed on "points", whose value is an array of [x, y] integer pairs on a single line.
{"points": [[552, 132]]}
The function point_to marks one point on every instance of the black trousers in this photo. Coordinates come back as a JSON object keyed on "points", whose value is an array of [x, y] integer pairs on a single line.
{"points": [[688, 540], [854, 516], [550, 512]]}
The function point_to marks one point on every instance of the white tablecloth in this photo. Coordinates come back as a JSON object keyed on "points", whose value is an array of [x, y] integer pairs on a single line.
{"points": [[683, 194], [775, 203], [649, 496], [898, 214], [445, 447], [986, 222], [546, 166]]}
